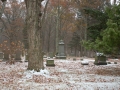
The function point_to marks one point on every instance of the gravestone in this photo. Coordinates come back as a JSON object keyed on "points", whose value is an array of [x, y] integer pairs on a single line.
{"points": [[26, 58], [72, 54], [1, 55], [74, 59], [18, 55], [51, 55], [61, 51], [50, 62], [26, 55], [84, 62], [6, 56], [100, 60]]}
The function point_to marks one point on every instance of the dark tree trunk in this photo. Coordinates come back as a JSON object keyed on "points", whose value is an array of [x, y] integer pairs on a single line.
{"points": [[33, 20]]}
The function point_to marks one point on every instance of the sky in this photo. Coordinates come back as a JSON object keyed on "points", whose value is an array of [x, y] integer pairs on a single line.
{"points": [[113, 0], [43, 2]]}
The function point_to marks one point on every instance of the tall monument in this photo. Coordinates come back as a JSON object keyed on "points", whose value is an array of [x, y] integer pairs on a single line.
{"points": [[61, 50]]}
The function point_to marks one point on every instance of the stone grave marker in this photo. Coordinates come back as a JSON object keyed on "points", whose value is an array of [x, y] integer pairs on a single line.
{"points": [[61, 51], [84, 62], [100, 60], [51, 54], [50, 62], [74, 59], [26, 58], [6, 56], [1, 55], [18, 55]]}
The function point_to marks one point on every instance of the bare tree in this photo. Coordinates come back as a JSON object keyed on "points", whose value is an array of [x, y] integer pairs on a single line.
{"points": [[12, 23]]}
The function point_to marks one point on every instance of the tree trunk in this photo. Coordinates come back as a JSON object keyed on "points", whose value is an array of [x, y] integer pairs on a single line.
{"points": [[57, 26], [114, 2], [48, 45], [35, 56]]}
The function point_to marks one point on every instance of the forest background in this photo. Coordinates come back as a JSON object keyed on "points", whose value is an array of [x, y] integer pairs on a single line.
{"points": [[69, 20]]}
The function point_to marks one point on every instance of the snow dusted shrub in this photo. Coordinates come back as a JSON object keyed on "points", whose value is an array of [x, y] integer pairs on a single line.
{"points": [[100, 54]]}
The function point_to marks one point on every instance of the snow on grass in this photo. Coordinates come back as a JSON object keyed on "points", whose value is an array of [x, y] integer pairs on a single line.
{"points": [[66, 75]]}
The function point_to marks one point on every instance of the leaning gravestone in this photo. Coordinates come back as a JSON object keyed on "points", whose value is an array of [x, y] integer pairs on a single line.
{"points": [[1, 55], [61, 51]]}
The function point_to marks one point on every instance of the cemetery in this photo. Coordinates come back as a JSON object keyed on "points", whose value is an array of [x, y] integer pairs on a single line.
{"points": [[64, 74], [60, 72], [59, 44], [1, 56], [61, 50]]}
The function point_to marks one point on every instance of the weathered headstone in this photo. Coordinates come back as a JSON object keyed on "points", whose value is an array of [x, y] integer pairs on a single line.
{"points": [[51, 55], [1, 55], [72, 54], [50, 62], [84, 62], [26, 55], [6, 56], [61, 51], [26, 58], [18, 55], [100, 60], [74, 59]]}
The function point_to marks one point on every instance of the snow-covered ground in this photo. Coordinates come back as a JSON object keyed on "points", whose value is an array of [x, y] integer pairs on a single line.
{"points": [[66, 75]]}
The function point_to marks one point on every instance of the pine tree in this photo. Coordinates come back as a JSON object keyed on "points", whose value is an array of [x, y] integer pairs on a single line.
{"points": [[108, 40]]}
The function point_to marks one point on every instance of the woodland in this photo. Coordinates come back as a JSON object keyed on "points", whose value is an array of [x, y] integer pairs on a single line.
{"points": [[32, 29], [36, 26]]}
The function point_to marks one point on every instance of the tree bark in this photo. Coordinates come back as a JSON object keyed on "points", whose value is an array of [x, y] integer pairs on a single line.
{"points": [[57, 26], [33, 20]]}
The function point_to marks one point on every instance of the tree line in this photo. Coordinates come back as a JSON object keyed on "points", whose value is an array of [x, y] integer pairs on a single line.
{"points": [[84, 25]]}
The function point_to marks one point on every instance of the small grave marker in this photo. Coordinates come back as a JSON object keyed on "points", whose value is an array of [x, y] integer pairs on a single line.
{"points": [[1, 55], [84, 62], [18, 55], [6, 56], [74, 59], [50, 62]]}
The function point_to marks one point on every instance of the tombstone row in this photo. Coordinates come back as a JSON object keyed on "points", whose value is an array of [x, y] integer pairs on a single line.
{"points": [[6, 56], [60, 54]]}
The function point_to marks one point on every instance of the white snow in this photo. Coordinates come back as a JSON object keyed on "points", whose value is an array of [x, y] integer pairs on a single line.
{"points": [[85, 61], [66, 75]]}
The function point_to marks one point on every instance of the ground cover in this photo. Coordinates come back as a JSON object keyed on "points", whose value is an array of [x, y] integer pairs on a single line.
{"points": [[66, 75]]}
